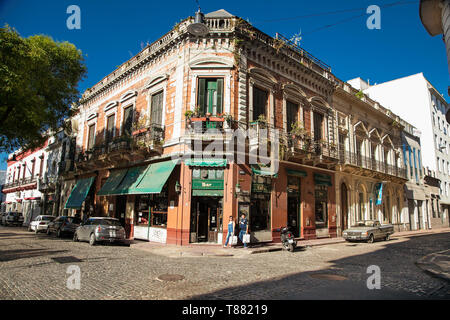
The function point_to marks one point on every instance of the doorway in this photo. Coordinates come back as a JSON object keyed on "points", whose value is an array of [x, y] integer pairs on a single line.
{"points": [[344, 207], [294, 205], [206, 219], [121, 206]]}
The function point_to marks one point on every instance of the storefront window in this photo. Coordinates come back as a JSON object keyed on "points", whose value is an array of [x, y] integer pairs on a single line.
{"points": [[321, 208], [156, 205]]}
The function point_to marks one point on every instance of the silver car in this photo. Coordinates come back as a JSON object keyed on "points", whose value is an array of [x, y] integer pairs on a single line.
{"points": [[368, 230], [12, 218], [100, 229]]}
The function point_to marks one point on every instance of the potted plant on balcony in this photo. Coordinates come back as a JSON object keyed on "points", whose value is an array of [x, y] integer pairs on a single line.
{"points": [[298, 130], [140, 125], [261, 122]]}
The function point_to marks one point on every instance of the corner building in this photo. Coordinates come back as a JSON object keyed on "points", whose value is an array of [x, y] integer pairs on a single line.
{"points": [[166, 142]]}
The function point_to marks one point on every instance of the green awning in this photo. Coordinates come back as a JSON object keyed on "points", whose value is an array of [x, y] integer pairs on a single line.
{"points": [[114, 179], [207, 193], [129, 182], [263, 172], [206, 162], [322, 179], [296, 173], [154, 178], [79, 193]]}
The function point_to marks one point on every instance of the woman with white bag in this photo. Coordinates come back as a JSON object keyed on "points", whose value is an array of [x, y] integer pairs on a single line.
{"points": [[243, 231], [230, 233]]}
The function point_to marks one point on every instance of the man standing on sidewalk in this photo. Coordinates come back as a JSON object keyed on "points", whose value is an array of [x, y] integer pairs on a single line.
{"points": [[243, 229]]}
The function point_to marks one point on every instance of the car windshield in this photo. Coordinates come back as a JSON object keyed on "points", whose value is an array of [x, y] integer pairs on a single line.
{"points": [[107, 222], [48, 218], [364, 224], [74, 220]]}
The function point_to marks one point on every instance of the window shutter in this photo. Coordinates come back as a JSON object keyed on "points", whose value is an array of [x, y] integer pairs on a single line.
{"points": [[156, 116], [201, 102], [127, 121], [219, 95]]}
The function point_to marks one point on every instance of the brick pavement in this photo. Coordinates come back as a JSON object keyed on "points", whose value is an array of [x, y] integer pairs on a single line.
{"points": [[28, 271]]}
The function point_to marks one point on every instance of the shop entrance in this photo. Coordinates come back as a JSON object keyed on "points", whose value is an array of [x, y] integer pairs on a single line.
{"points": [[121, 205], [206, 219], [294, 205]]}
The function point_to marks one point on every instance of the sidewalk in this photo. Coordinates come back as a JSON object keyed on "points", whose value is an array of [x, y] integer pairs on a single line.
{"points": [[201, 250]]}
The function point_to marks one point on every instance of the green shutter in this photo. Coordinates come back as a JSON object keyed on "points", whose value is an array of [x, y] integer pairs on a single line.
{"points": [[202, 95], [219, 95]]}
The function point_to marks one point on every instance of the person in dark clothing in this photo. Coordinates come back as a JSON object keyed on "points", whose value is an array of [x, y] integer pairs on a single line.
{"points": [[243, 228]]}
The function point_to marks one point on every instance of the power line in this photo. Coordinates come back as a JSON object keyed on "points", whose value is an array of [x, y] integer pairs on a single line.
{"points": [[334, 24], [397, 3]]}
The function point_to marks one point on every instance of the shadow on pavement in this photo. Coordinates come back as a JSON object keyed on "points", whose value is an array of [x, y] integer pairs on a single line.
{"points": [[347, 278], [10, 255]]}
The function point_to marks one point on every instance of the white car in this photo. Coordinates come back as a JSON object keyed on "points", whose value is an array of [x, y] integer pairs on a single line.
{"points": [[40, 223]]}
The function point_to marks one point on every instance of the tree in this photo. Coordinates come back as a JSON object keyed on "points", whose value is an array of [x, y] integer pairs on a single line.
{"points": [[38, 85]]}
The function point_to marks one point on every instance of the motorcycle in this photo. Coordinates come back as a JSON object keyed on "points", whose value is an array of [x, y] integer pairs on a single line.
{"points": [[287, 239]]}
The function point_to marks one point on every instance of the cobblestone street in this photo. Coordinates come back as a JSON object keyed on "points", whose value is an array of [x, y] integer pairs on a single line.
{"points": [[31, 268]]}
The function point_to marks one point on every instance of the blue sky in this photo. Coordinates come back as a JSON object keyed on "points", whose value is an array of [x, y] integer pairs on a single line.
{"points": [[112, 31]]}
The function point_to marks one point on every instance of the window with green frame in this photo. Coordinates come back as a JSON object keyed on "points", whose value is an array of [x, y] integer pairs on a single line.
{"points": [[210, 96]]}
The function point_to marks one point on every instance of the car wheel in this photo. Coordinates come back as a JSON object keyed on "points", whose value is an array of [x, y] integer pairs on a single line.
{"points": [[92, 239], [371, 239], [75, 237], [388, 237]]}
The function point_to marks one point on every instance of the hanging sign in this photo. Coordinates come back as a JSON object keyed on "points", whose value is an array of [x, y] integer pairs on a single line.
{"points": [[379, 193]]}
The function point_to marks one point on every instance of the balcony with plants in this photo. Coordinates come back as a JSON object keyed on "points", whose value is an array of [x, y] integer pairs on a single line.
{"points": [[147, 138], [205, 126]]}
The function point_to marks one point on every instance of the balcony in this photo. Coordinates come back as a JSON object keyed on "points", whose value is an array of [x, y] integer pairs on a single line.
{"points": [[143, 143], [20, 184], [47, 184], [359, 164], [303, 149], [209, 128]]}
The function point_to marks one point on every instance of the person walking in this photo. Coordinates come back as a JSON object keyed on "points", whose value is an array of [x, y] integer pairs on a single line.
{"points": [[230, 231], [243, 229]]}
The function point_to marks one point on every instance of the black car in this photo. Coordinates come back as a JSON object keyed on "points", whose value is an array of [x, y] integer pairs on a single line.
{"points": [[63, 225]]}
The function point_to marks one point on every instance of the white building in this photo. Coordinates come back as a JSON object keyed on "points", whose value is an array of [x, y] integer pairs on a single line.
{"points": [[22, 178], [419, 103]]}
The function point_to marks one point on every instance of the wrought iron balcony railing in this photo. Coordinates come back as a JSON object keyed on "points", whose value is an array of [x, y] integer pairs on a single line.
{"points": [[358, 160]]}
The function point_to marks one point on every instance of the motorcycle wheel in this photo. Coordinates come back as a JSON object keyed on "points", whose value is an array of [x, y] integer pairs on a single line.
{"points": [[285, 246], [291, 247]]}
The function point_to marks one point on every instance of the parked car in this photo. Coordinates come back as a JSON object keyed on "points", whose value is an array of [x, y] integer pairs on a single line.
{"points": [[100, 229], [12, 218], [40, 223], [63, 225], [2, 214], [368, 230]]}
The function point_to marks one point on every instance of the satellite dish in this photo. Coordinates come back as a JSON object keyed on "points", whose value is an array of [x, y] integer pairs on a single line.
{"points": [[198, 28]]}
